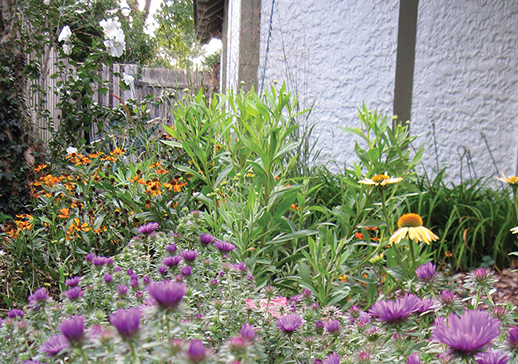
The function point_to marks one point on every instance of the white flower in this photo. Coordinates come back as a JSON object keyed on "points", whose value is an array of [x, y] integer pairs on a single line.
{"points": [[114, 39], [127, 79], [71, 150], [65, 34], [125, 9], [46, 2], [67, 48]]}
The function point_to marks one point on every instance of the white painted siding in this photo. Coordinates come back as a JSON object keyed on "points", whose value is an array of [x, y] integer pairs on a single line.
{"points": [[338, 54], [234, 22]]}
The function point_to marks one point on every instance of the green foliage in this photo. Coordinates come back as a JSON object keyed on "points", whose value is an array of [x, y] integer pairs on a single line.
{"points": [[472, 220], [175, 34]]}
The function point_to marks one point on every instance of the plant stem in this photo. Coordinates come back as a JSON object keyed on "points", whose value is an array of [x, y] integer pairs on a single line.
{"points": [[293, 349]]}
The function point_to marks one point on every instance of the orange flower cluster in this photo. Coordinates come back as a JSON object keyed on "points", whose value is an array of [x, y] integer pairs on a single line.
{"points": [[25, 224]]}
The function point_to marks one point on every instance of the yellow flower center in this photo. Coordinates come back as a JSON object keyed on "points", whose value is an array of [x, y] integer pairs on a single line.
{"points": [[379, 178], [512, 180], [410, 220]]}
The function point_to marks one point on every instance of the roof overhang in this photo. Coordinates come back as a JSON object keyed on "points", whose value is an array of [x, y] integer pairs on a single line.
{"points": [[208, 19]]}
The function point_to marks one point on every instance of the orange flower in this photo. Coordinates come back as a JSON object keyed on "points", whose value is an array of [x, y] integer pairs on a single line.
{"points": [[77, 204], [343, 278], [108, 158], [25, 216], [23, 225], [135, 179], [448, 254], [153, 188], [117, 151], [40, 167], [372, 228], [78, 226], [294, 207], [359, 236], [65, 213], [155, 165], [95, 155]]}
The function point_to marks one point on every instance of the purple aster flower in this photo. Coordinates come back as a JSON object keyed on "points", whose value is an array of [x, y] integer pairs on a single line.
{"points": [[222, 274], [447, 297], [332, 326], [190, 255], [172, 261], [206, 238], [224, 246], [413, 359], [247, 332], [319, 325], [363, 357], [237, 344], [295, 299], [98, 261], [108, 261], [171, 248], [395, 311], [468, 333], [364, 318], [89, 256], [307, 293], [492, 357], [134, 283], [146, 280], [139, 294], [197, 352], [130, 272], [162, 269], [39, 296], [74, 293], [148, 228], [250, 277], [54, 344], [117, 269], [126, 321], [214, 282], [186, 270], [15, 313], [108, 277], [73, 328], [123, 289], [289, 323], [167, 294], [354, 311], [426, 272], [178, 278], [318, 361], [426, 305], [512, 337], [72, 282], [332, 358], [314, 306]]}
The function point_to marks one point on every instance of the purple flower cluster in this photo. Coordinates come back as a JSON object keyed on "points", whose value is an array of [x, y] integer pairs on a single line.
{"points": [[148, 228], [39, 296], [190, 255], [224, 246], [126, 321], [333, 358], [167, 294], [206, 238], [197, 352], [332, 326], [289, 323], [492, 357], [54, 345], [466, 334], [73, 328], [396, 311], [72, 282], [15, 313], [172, 261], [74, 293], [426, 272], [100, 261]]}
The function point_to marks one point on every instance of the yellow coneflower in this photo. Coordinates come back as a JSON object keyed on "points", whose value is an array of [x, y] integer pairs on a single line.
{"points": [[380, 180], [511, 181], [412, 224]]}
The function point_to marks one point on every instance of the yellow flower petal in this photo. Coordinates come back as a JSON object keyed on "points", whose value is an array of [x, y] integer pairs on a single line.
{"points": [[398, 235]]}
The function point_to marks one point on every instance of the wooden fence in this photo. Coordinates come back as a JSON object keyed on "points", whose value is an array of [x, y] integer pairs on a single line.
{"points": [[149, 81]]}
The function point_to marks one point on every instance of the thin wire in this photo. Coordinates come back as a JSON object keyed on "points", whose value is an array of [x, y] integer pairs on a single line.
{"points": [[267, 47]]}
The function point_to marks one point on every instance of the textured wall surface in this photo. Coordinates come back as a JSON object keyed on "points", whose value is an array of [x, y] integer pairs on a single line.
{"points": [[466, 82], [338, 54], [335, 55]]}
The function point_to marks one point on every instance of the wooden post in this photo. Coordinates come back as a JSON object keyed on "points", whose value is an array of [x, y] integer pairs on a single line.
{"points": [[405, 60]]}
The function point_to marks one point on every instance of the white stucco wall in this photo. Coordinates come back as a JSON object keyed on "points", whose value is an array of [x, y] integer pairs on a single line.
{"points": [[232, 64], [338, 54], [466, 81], [335, 55]]}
